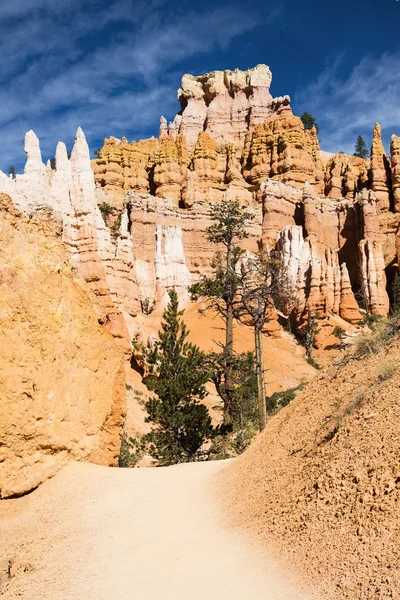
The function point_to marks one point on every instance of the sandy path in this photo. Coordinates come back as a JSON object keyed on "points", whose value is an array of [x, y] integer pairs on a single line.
{"points": [[93, 533]]}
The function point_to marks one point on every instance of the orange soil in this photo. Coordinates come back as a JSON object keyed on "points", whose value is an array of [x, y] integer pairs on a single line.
{"points": [[322, 483]]}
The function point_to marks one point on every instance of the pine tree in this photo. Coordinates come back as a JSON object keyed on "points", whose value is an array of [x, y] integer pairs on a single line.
{"points": [[308, 121], [396, 295], [178, 373], [311, 332], [361, 148], [220, 291]]}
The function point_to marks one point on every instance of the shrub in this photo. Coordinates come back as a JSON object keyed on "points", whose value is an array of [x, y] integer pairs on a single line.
{"points": [[131, 451], [338, 332], [387, 370], [147, 306], [106, 210], [280, 399], [314, 363]]}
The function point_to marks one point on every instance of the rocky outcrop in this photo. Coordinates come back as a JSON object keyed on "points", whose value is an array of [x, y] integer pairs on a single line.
{"points": [[332, 216], [229, 136], [380, 171], [169, 244], [70, 191], [395, 163], [62, 379]]}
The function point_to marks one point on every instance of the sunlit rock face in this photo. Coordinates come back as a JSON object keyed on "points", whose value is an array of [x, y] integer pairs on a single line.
{"points": [[334, 217], [62, 376]]}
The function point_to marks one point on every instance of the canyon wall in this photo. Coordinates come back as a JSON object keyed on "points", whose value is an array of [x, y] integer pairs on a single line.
{"points": [[134, 219], [132, 225], [335, 218], [62, 377]]}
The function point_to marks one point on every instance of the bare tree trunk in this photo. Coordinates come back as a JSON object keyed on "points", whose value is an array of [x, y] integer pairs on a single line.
{"points": [[262, 404]]}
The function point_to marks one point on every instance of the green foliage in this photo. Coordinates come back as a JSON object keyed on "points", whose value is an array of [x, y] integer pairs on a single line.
{"points": [[338, 331], [230, 222], [244, 407], [11, 171], [361, 148], [178, 373], [280, 399], [116, 226], [369, 319], [131, 451], [314, 363], [308, 121], [220, 291], [396, 295], [106, 210], [147, 306], [311, 332]]}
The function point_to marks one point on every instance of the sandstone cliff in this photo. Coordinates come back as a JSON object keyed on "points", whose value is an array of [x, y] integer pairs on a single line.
{"points": [[232, 139], [62, 379], [334, 218]]}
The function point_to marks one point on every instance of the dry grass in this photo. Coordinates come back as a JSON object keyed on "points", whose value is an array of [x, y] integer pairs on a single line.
{"points": [[380, 335], [386, 370]]}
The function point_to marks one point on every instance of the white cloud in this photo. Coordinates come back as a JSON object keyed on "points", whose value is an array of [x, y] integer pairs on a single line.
{"points": [[110, 71], [346, 107]]}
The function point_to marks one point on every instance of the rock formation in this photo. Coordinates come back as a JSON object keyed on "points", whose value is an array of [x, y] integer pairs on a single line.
{"points": [[380, 171], [70, 191], [334, 217], [62, 379]]}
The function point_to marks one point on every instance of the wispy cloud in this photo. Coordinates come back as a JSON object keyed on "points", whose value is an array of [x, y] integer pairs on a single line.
{"points": [[346, 107], [109, 67]]}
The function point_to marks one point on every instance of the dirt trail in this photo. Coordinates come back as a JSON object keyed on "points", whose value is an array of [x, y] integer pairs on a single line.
{"points": [[93, 533]]}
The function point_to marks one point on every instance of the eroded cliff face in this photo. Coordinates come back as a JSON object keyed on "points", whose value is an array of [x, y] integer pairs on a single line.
{"points": [[62, 380], [231, 135], [334, 218]]}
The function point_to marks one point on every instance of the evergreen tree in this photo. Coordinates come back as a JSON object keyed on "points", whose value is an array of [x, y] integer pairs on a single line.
{"points": [[396, 295], [11, 171], [178, 372], [308, 121], [220, 291], [311, 332], [361, 148]]}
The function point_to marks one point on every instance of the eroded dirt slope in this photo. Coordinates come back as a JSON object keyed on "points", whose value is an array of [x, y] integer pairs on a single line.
{"points": [[323, 481]]}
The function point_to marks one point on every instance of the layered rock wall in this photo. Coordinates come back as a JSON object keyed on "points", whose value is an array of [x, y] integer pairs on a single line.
{"points": [[334, 217]]}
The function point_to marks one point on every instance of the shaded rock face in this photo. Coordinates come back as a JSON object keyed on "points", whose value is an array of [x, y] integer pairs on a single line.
{"points": [[62, 380]]}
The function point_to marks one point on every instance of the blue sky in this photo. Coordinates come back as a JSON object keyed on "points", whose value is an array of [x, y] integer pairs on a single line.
{"points": [[114, 66]]}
